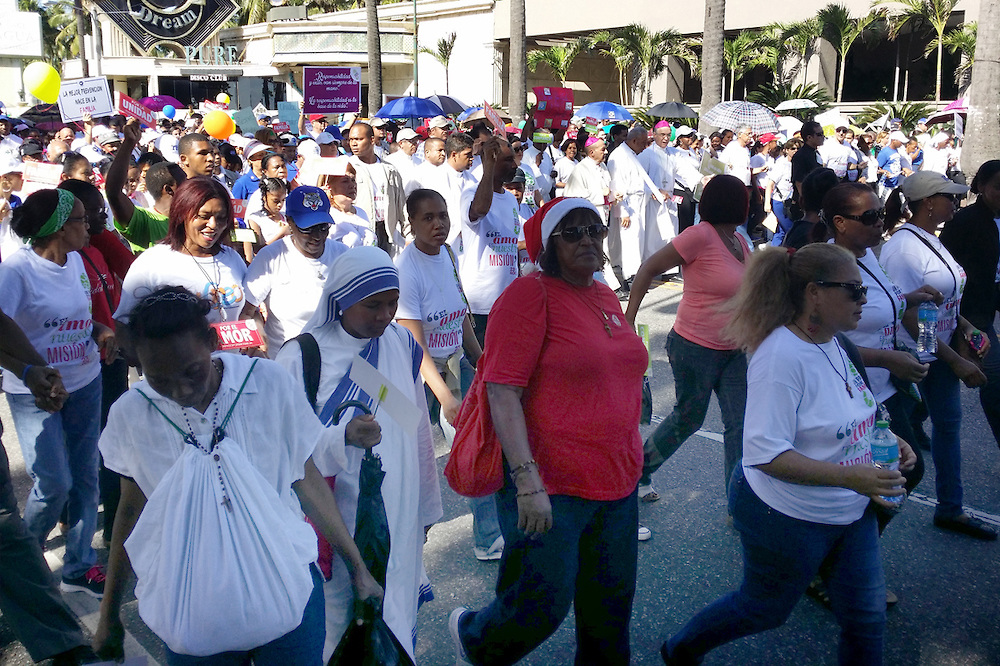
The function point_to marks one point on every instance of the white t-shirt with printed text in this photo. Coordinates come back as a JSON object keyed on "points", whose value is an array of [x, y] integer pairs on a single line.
{"points": [[429, 292], [488, 262]]}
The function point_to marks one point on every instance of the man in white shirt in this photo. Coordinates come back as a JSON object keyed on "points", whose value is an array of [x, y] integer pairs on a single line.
{"points": [[10, 144], [937, 154], [452, 179], [426, 171], [590, 179], [490, 228], [736, 155], [403, 158], [837, 154], [380, 190], [661, 211], [440, 127]]}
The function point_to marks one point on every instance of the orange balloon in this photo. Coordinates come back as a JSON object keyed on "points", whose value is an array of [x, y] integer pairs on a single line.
{"points": [[219, 125]]}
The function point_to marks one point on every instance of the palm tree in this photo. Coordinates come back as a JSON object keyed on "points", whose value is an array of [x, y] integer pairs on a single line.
{"points": [[647, 54], [607, 43], [711, 55], [934, 14], [557, 58], [442, 54], [517, 95], [842, 31], [982, 141], [800, 38], [742, 53], [62, 21], [374, 57], [963, 41]]}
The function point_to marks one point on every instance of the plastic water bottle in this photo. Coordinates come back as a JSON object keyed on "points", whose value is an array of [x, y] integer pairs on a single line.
{"points": [[927, 315], [885, 452]]}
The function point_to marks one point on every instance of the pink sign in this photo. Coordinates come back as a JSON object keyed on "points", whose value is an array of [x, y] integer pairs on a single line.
{"points": [[555, 107], [331, 89]]}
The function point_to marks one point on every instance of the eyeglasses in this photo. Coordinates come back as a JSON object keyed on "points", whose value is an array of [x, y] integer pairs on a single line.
{"points": [[869, 218], [954, 198], [855, 291], [575, 234], [315, 230]]}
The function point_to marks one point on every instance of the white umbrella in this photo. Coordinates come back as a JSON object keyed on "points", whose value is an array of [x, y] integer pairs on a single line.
{"points": [[730, 115], [833, 118], [789, 125], [793, 104]]}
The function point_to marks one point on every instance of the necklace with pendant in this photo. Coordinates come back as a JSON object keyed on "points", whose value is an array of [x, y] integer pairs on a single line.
{"points": [[595, 307], [844, 376]]}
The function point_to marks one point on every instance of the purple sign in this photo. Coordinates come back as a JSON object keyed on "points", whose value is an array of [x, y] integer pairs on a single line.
{"points": [[331, 89]]}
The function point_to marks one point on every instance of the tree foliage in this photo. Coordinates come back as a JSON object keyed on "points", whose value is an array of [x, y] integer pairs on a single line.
{"points": [[773, 94], [907, 112], [557, 58], [842, 30], [641, 55], [442, 53]]}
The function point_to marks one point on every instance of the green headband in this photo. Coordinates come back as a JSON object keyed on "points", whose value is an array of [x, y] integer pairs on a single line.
{"points": [[58, 217]]}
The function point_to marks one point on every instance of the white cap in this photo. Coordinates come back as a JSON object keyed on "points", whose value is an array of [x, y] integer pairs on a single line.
{"points": [[898, 136], [406, 134], [253, 148], [939, 137], [308, 148], [684, 130], [12, 165], [325, 138], [440, 121]]}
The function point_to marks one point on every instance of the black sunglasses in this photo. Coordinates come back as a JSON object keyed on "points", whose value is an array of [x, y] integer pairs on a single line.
{"points": [[575, 234], [856, 291], [869, 218]]}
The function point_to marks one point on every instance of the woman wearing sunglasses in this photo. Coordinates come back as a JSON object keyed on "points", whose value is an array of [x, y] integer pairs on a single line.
{"points": [[713, 256], [567, 509], [915, 256], [804, 491]]}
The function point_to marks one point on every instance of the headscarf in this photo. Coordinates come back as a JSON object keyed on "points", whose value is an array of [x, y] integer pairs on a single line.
{"points": [[354, 276], [58, 218]]}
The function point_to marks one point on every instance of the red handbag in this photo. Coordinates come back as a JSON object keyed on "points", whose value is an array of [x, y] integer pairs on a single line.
{"points": [[475, 466]]}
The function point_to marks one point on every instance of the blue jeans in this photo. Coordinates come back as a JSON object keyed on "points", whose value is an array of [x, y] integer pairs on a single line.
{"points": [[485, 524], [60, 454], [698, 371], [989, 395], [781, 555], [587, 559], [784, 224], [941, 392], [302, 646]]}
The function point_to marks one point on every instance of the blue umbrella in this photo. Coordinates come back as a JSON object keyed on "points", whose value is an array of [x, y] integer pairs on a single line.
{"points": [[604, 111], [409, 107], [468, 112], [448, 104]]}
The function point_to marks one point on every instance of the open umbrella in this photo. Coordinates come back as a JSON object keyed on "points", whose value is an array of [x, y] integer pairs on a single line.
{"points": [[464, 115], [794, 104], [672, 110], [960, 105], [409, 107], [604, 111], [477, 113], [730, 115], [157, 102], [449, 105], [43, 113]]}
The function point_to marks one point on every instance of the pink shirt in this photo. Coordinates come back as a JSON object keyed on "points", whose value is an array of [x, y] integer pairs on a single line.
{"points": [[712, 275]]}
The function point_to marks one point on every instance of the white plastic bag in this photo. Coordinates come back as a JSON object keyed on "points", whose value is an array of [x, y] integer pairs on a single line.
{"points": [[211, 579]]}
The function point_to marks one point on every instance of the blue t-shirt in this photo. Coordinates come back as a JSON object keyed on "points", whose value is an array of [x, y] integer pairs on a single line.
{"points": [[246, 185], [889, 161]]}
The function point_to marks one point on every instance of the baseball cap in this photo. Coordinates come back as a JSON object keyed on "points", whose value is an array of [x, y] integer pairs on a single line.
{"points": [[308, 206], [325, 138], [107, 137], [766, 138], [288, 139], [921, 121], [440, 121], [30, 148], [406, 134], [308, 148], [263, 116], [11, 165], [378, 122], [923, 184], [313, 117], [898, 136], [684, 130], [518, 177]]}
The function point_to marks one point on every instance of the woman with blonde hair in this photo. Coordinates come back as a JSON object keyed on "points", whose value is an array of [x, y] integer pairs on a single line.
{"points": [[805, 490]]}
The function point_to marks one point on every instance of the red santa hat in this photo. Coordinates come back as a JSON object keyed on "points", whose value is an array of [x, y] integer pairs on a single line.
{"points": [[540, 226]]}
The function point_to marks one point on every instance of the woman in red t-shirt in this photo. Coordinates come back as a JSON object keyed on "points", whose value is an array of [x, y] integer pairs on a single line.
{"points": [[703, 361], [563, 372]]}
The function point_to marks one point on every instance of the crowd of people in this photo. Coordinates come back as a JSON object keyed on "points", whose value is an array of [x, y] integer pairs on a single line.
{"points": [[462, 266]]}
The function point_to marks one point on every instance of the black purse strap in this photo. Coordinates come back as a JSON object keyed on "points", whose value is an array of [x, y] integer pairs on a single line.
{"points": [[892, 302], [311, 364], [954, 278]]}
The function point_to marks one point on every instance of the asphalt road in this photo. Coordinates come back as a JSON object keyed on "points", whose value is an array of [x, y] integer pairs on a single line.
{"points": [[948, 585]]}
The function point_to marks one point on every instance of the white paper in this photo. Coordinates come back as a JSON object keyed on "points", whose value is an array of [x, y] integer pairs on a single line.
{"points": [[400, 408], [80, 96]]}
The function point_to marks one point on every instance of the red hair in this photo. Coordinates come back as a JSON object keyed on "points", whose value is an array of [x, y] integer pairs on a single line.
{"points": [[190, 196]]}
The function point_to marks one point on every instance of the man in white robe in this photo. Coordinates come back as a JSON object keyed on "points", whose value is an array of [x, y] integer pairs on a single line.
{"points": [[661, 212], [629, 179]]}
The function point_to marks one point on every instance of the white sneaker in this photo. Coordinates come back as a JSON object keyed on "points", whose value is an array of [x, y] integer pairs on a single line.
{"points": [[461, 659], [644, 533], [494, 552]]}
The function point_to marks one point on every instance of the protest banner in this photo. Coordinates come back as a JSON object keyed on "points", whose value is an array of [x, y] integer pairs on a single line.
{"points": [[245, 120], [79, 97], [131, 108], [331, 89], [554, 108], [238, 334], [493, 117], [288, 112]]}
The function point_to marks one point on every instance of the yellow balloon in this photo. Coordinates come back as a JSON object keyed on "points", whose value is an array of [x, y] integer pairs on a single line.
{"points": [[42, 81], [219, 125], [222, 98]]}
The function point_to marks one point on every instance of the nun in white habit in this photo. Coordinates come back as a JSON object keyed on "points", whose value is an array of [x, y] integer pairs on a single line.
{"points": [[354, 324]]}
